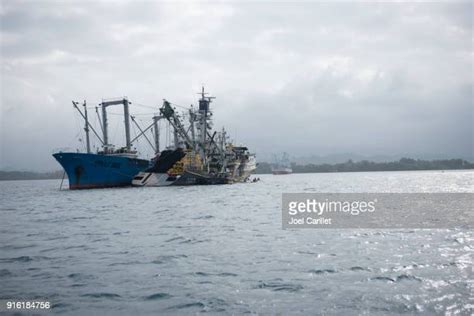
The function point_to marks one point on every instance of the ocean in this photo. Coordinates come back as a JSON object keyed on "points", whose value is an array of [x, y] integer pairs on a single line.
{"points": [[222, 250]]}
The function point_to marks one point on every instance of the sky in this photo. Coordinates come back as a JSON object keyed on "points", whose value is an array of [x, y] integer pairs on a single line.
{"points": [[309, 78]]}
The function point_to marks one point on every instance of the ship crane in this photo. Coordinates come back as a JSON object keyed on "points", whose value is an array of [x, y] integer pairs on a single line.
{"points": [[106, 103], [103, 123], [170, 115], [154, 126], [208, 158], [205, 143]]}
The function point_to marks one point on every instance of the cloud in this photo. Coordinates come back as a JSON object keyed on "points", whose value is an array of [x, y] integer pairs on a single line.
{"points": [[310, 78]]}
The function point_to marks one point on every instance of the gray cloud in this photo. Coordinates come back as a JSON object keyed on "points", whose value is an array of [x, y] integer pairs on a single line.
{"points": [[311, 78]]}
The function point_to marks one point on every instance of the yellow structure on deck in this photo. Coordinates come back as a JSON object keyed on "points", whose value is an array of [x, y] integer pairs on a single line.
{"points": [[191, 161]]}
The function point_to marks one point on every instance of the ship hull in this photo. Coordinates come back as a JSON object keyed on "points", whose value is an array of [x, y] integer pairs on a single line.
{"points": [[168, 170], [151, 179], [195, 178], [89, 171], [281, 172], [246, 169]]}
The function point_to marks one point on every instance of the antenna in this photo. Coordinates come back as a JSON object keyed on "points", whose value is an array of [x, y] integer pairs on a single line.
{"points": [[203, 95]]}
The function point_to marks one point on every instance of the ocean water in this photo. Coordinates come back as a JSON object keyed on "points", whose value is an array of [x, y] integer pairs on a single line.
{"points": [[222, 250]]}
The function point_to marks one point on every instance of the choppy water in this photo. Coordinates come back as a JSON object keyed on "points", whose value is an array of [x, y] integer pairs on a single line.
{"points": [[221, 249]]}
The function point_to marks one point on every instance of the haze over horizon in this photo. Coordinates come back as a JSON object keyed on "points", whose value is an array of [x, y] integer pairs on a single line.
{"points": [[309, 78]]}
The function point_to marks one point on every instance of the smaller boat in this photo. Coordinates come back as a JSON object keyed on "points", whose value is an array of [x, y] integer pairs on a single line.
{"points": [[282, 165], [280, 171]]}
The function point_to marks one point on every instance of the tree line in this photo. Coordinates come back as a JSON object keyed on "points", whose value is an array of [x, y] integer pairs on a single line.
{"points": [[404, 164], [28, 175]]}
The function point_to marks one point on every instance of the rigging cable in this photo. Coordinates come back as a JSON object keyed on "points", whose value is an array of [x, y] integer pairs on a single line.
{"points": [[79, 136], [138, 146]]}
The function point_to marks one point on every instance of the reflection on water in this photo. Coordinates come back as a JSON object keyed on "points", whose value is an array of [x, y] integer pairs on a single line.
{"points": [[221, 249]]}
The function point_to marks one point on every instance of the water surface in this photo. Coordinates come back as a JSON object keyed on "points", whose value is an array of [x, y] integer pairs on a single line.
{"points": [[221, 249]]}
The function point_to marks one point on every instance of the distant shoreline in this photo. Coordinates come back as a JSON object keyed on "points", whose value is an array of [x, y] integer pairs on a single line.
{"points": [[404, 164], [29, 175]]}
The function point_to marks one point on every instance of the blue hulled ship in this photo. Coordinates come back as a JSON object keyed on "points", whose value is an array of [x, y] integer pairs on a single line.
{"points": [[88, 171], [108, 167]]}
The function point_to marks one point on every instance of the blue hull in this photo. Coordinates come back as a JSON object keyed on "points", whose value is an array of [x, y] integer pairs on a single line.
{"points": [[87, 171]]}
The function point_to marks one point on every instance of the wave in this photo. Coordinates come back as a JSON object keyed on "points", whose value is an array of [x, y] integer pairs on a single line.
{"points": [[278, 286], [357, 268], [157, 296], [187, 305], [17, 259], [102, 295], [222, 274], [407, 277], [81, 276], [174, 239], [125, 263], [166, 259], [204, 217], [322, 271], [383, 278], [16, 247]]}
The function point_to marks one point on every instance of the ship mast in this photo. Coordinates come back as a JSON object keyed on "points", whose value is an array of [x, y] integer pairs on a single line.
{"points": [[170, 115], [86, 128], [192, 118], [105, 126], [103, 122], [126, 114], [203, 117], [88, 124], [156, 133]]}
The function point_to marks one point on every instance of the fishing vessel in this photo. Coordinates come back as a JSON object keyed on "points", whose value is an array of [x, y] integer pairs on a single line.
{"points": [[199, 155], [108, 167], [282, 165]]}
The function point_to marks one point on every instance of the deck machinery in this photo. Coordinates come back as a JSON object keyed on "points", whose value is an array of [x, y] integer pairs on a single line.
{"points": [[199, 156]]}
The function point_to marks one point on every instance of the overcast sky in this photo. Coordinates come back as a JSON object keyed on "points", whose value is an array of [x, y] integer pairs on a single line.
{"points": [[309, 78]]}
